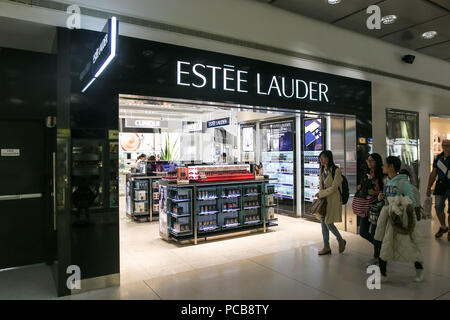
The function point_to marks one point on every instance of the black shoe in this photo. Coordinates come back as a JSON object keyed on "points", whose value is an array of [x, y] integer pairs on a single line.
{"points": [[441, 232]]}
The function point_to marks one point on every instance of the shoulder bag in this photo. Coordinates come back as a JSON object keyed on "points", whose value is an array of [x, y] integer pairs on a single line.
{"points": [[374, 211], [319, 206]]}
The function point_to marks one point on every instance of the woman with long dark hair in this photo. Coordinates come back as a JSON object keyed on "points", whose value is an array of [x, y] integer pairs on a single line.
{"points": [[370, 187], [330, 188]]}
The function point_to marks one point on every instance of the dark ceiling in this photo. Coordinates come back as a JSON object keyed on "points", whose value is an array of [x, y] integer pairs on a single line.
{"points": [[414, 17]]}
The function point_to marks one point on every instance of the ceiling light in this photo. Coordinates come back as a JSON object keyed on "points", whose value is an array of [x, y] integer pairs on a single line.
{"points": [[429, 35], [389, 19], [334, 1]]}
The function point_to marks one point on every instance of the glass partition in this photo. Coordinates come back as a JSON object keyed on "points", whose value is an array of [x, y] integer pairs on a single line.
{"points": [[402, 134]]}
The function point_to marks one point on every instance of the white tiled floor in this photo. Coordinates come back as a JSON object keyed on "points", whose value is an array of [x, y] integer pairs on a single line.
{"points": [[280, 264]]}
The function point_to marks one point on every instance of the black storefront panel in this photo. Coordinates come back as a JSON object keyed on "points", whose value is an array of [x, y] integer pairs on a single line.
{"points": [[162, 70]]}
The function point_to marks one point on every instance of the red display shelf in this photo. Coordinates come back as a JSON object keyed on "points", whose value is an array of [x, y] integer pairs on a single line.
{"points": [[228, 177]]}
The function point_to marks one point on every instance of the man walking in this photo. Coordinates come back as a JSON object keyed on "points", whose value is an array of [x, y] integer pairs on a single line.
{"points": [[441, 167]]}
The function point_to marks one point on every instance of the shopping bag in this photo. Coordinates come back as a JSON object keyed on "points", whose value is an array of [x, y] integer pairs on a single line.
{"points": [[427, 207], [319, 208]]}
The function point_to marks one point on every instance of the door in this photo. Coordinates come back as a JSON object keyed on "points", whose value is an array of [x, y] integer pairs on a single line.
{"points": [[25, 219], [336, 144], [342, 142]]}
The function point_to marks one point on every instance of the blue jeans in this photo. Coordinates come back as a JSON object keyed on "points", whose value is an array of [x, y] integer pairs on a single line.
{"points": [[326, 228]]}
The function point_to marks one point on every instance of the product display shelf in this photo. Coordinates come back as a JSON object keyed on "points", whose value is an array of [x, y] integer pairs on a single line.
{"points": [[207, 209], [138, 197], [217, 208], [154, 192], [269, 204], [252, 204], [179, 210], [231, 207]]}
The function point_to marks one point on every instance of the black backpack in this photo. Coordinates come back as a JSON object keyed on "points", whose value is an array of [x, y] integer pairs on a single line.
{"points": [[345, 194]]}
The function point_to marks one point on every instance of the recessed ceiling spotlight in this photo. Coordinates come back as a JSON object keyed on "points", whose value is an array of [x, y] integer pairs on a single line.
{"points": [[334, 1], [389, 19], [429, 35]]}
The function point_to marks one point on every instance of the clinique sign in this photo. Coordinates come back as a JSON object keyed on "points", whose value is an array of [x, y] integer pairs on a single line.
{"points": [[229, 78]]}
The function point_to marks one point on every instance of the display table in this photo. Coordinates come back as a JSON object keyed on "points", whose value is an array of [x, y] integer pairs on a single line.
{"points": [[207, 209]]}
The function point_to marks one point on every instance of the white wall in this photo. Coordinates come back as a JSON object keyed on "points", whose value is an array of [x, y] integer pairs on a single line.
{"points": [[410, 97]]}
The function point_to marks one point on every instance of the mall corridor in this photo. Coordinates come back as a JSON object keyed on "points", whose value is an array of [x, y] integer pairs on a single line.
{"points": [[280, 265], [225, 150]]}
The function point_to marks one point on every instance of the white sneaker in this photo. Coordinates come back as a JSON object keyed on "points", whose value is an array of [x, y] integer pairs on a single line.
{"points": [[384, 279], [419, 275], [372, 262]]}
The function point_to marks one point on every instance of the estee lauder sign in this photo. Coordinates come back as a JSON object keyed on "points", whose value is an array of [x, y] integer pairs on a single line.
{"points": [[229, 78]]}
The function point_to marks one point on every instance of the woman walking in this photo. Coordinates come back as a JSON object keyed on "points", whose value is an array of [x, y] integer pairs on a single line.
{"points": [[330, 188], [396, 227], [370, 187]]}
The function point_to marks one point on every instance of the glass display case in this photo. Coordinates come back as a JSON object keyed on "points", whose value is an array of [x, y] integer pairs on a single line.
{"points": [[87, 174], [113, 174], [313, 145], [179, 209], [278, 160], [61, 172]]}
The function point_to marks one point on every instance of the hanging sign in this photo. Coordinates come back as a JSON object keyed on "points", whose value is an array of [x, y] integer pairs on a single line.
{"points": [[145, 124], [218, 123]]}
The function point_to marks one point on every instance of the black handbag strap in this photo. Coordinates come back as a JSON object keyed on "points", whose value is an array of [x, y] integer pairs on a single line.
{"points": [[334, 171]]}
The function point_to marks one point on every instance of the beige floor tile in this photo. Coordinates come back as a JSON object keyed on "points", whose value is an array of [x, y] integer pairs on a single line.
{"points": [[344, 275], [241, 280], [155, 272], [130, 274]]}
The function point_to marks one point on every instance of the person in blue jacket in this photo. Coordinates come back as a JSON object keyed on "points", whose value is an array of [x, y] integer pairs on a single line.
{"points": [[391, 186], [397, 184]]}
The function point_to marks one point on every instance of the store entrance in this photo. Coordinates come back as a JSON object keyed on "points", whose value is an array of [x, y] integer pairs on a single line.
{"points": [[439, 131], [178, 133], [158, 136]]}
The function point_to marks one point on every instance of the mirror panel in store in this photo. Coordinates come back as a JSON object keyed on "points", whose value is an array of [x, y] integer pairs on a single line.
{"points": [[402, 134]]}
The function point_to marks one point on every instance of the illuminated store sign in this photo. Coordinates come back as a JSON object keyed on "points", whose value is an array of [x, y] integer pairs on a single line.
{"points": [[141, 123], [218, 123], [105, 52], [229, 78]]}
